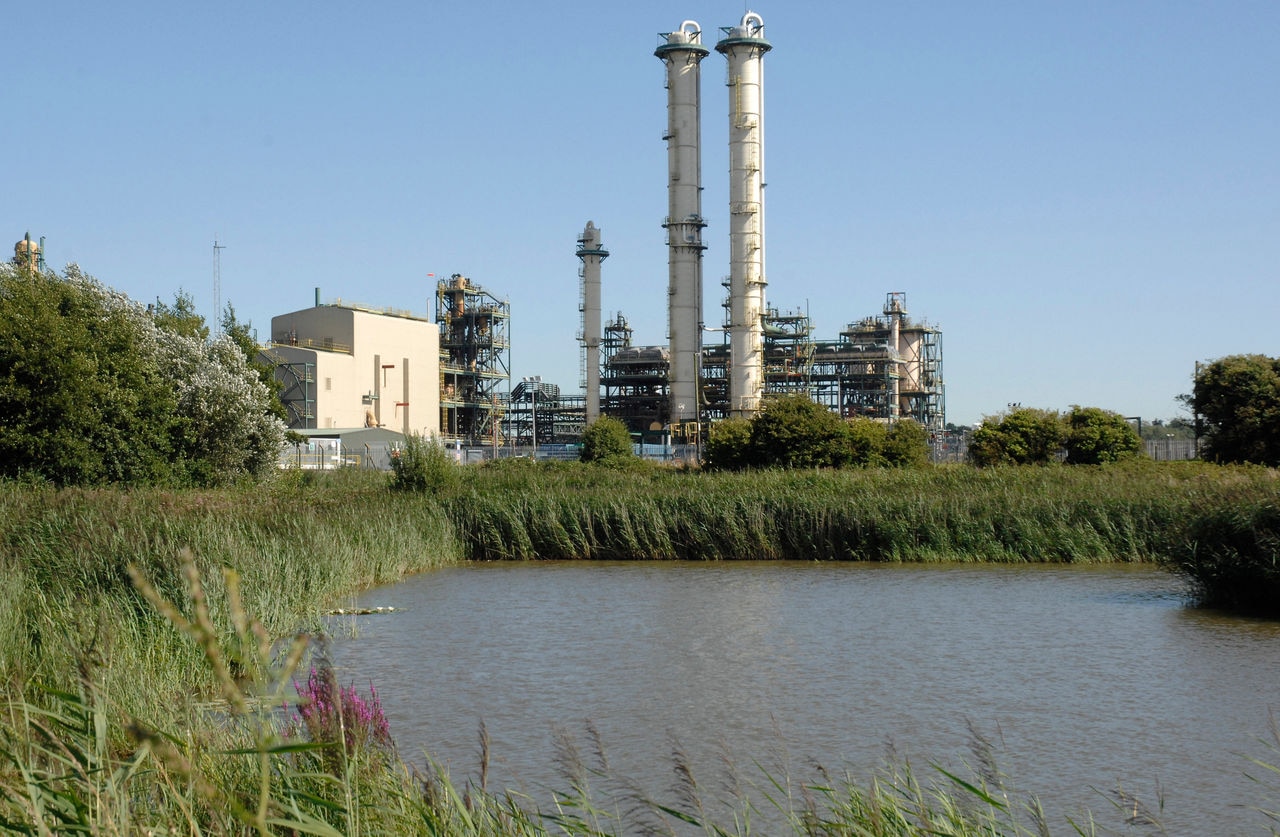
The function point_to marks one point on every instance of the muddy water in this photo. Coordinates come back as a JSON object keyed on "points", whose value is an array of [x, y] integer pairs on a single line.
{"points": [[1084, 679]]}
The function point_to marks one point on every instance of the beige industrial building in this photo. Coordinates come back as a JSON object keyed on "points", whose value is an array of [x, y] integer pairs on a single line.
{"points": [[346, 366]]}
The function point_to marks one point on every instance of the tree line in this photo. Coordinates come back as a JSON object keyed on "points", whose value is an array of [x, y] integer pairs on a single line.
{"points": [[97, 389]]}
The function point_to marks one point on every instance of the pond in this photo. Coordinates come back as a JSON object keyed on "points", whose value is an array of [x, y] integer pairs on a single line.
{"points": [[1084, 679]]}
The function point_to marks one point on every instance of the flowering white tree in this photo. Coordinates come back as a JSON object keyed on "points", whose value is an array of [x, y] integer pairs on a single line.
{"points": [[93, 391], [226, 426]]}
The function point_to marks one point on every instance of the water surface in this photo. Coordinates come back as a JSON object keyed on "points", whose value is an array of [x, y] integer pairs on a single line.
{"points": [[1085, 678]]}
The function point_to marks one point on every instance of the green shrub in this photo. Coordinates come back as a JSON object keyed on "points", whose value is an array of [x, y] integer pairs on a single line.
{"points": [[607, 442], [795, 432], [906, 444], [1238, 399], [1025, 436], [867, 440], [95, 392], [423, 465], [1095, 436], [728, 446], [1229, 549]]}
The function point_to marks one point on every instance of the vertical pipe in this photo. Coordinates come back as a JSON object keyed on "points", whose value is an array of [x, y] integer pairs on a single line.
{"points": [[895, 366], [377, 389], [895, 308], [592, 255], [408, 428], [682, 53], [744, 47]]}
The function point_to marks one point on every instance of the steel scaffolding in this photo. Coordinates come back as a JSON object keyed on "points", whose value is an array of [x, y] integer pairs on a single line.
{"points": [[474, 367], [634, 379]]}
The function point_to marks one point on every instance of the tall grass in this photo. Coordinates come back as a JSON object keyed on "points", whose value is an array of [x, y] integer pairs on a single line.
{"points": [[298, 549], [1230, 550], [944, 514]]}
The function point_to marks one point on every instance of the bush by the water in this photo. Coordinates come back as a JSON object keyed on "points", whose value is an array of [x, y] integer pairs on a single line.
{"points": [[423, 464], [1230, 550], [1238, 400]]}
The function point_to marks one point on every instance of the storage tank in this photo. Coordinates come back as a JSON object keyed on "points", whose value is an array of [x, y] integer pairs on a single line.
{"points": [[28, 254]]}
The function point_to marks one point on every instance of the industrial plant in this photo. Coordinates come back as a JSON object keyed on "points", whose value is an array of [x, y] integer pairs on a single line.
{"points": [[349, 366]]}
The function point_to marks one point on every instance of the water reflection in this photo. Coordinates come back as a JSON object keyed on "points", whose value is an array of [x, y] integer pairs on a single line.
{"points": [[1088, 676]]}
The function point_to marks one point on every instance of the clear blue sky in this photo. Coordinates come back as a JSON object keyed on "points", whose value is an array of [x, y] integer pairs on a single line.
{"points": [[1084, 196]]}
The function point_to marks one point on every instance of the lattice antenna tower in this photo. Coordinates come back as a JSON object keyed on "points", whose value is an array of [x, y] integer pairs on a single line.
{"points": [[217, 286]]}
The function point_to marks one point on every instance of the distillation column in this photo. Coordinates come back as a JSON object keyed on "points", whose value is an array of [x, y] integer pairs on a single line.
{"points": [[682, 52], [592, 254], [744, 46]]}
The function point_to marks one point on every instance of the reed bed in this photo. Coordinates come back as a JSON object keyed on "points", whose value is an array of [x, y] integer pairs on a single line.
{"points": [[943, 514], [1229, 548], [66, 588]]}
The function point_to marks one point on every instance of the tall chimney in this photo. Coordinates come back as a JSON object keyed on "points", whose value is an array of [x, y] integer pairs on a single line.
{"points": [[682, 52], [592, 255], [744, 46]]}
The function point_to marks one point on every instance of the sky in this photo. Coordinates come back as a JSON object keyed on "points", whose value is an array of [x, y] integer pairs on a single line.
{"points": [[1083, 196]]}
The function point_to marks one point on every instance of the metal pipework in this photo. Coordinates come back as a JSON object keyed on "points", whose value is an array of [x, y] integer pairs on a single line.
{"points": [[592, 255], [744, 47], [682, 52]]}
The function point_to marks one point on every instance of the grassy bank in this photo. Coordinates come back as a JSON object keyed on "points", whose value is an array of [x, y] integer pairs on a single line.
{"points": [[64, 585], [71, 620]]}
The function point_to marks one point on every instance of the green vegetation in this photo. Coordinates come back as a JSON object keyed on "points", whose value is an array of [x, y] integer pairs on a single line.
{"points": [[179, 318], [299, 546], [1096, 437], [422, 465], [1027, 436], [117, 722], [1238, 400], [728, 445], [607, 442], [1229, 548], [906, 445], [94, 390], [795, 432]]}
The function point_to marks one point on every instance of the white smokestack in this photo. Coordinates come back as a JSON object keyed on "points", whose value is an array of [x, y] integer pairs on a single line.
{"points": [[744, 46], [682, 52]]}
